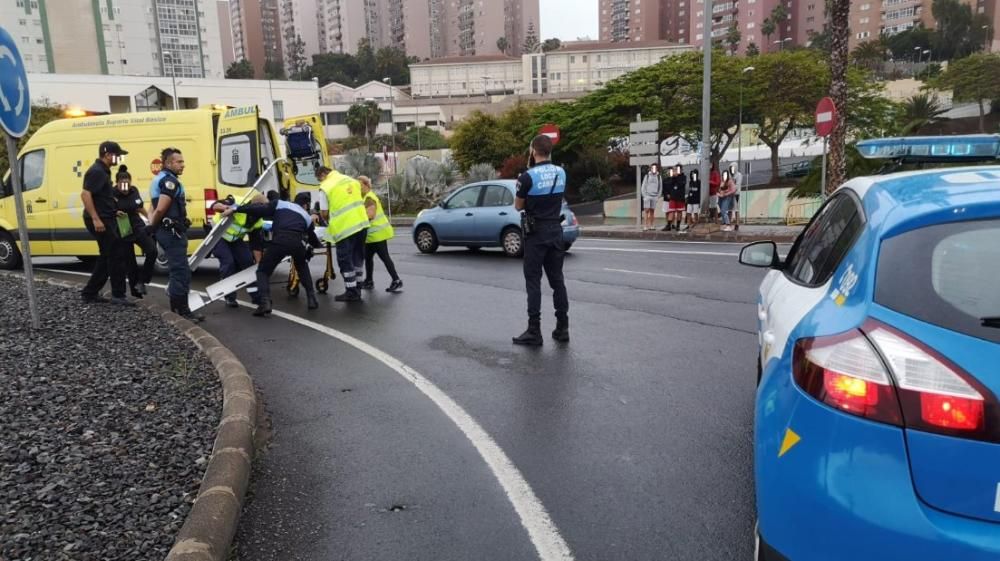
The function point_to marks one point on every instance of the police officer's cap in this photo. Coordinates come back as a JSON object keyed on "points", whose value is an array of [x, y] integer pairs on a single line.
{"points": [[111, 147]]}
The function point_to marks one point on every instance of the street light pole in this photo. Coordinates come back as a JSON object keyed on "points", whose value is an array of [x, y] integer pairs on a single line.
{"points": [[706, 103], [173, 78]]}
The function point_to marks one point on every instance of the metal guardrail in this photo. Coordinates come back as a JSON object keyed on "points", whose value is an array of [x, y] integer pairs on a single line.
{"points": [[801, 213]]}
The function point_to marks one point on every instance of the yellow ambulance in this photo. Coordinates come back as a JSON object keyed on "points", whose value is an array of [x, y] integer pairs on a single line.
{"points": [[226, 149]]}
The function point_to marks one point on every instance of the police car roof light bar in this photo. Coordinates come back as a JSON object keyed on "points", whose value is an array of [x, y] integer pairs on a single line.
{"points": [[933, 149]]}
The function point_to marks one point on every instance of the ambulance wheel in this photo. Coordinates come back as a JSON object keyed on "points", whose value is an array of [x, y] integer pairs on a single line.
{"points": [[322, 285], [10, 256], [293, 291]]}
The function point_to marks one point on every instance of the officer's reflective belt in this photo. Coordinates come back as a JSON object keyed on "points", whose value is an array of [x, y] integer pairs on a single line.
{"points": [[346, 209]]}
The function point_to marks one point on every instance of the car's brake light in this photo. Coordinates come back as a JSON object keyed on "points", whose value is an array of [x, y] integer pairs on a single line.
{"points": [[845, 372], [886, 376], [211, 197], [936, 395]]}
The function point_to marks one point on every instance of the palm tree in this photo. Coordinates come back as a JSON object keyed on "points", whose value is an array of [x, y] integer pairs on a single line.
{"points": [[870, 54], [919, 111], [840, 15], [503, 45]]}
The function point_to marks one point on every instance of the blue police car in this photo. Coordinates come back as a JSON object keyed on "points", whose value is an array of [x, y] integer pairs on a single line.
{"points": [[481, 215], [877, 421]]}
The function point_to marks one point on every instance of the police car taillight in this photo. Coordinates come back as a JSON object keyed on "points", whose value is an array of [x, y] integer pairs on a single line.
{"points": [[211, 197], [886, 376], [935, 395], [845, 372]]}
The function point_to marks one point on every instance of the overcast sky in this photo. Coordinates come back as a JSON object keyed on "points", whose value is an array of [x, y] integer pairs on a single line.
{"points": [[568, 19]]}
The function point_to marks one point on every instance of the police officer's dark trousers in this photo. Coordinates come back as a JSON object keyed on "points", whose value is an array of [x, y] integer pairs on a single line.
{"points": [[545, 250], [234, 257], [111, 261], [273, 254], [179, 274]]}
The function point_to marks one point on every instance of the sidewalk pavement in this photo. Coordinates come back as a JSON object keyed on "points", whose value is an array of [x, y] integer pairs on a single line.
{"points": [[625, 229]]}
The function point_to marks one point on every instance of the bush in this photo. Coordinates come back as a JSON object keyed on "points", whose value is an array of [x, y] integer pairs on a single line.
{"points": [[513, 167], [481, 172], [595, 189]]}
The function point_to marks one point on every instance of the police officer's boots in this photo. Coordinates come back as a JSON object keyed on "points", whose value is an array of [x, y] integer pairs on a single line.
{"points": [[264, 308], [561, 332], [352, 294], [180, 307], [533, 336]]}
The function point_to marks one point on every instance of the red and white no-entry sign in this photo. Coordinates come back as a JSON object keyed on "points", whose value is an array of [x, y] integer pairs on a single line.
{"points": [[826, 117], [551, 131]]}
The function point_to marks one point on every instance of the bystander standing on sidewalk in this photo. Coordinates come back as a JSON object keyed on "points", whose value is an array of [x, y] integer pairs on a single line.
{"points": [[714, 182], [727, 196], [693, 200], [652, 190], [737, 176], [673, 200]]}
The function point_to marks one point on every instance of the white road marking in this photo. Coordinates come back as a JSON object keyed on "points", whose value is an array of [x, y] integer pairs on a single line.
{"points": [[645, 273], [668, 251], [536, 520]]}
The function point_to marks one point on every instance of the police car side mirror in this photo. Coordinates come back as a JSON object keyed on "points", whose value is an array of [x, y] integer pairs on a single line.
{"points": [[763, 255]]}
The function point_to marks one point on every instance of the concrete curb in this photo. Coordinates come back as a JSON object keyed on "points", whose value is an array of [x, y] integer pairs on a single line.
{"points": [[719, 236], [211, 524]]}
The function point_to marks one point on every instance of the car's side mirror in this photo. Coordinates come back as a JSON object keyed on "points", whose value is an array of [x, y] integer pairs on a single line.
{"points": [[443, 204], [760, 254]]}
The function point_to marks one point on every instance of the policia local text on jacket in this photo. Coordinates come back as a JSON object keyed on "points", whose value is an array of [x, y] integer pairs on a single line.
{"points": [[292, 231], [347, 226], [170, 222], [540, 195]]}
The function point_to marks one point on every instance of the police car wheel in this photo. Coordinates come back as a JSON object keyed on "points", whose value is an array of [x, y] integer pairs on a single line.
{"points": [[10, 256], [427, 241], [512, 242]]}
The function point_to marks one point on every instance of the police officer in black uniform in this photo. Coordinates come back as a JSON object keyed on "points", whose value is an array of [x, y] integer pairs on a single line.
{"points": [[292, 232], [100, 209], [540, 197], [170, 222]]}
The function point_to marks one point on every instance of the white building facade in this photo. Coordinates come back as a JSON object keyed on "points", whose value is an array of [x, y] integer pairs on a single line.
{"points": [[467, 76], [585, 67]]}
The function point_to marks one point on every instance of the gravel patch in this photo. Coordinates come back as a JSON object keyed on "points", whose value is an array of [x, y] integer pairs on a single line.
{"points": [[107, 420]]}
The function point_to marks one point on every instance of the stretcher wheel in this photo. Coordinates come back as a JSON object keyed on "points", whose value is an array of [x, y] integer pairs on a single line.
{"points": [[322, 285]]}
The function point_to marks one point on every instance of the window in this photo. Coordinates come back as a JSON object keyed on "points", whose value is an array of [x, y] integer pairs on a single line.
{"points": [[279, 110], [335, 118], [497, 195], [32, 173], [939, 274], [572, 59], [238, 159], [466, 198], [822, 246]]}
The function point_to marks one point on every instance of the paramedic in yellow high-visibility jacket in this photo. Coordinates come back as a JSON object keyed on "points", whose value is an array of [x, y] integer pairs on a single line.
{"points": [[347, 227], [377, 243]]}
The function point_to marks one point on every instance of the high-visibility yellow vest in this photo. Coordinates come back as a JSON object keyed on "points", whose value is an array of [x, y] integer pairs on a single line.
{"points": [[238, 228], [347, 208], [380, 229]]}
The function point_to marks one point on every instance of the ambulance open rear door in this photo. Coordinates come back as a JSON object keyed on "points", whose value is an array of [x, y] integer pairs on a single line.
{"points": [[306, 151]]}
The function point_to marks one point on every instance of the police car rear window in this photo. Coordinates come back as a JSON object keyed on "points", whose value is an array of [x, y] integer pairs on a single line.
{"points": [[945, 275]]}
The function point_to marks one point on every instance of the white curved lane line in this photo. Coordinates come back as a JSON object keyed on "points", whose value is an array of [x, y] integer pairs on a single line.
{"points": [[536, 520]]}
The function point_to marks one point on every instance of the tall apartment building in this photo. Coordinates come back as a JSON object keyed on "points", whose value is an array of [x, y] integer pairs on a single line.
{"points": [[133, 37], [300, 25], [256, 32], [226, 33], [631, 20]]}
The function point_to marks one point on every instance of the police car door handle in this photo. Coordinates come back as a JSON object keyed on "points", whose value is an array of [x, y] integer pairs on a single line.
{"points": [[468, 214], [503, 214]]}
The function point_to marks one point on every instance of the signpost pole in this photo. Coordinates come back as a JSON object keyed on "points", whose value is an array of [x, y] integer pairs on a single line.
{"points": [[22, 230], [822, 184], [638, 187]]}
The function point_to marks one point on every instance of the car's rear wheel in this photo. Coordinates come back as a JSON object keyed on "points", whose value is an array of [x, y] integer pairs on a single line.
{"points": [[512, 242], [427, 241], [10, 256]]}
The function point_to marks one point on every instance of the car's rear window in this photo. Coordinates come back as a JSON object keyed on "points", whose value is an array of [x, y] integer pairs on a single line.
{"points": [[945, 275]]}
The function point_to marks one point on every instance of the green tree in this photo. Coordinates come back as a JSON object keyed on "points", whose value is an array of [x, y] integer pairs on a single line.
{"points": [[870, 54], [240, 70], [365, 58], [336, 67], [553, 44], [503, 44], [274, 70], [752, 49], [479, 138], [840, 15], [363, 118], [820, 41], [975, 78], [530, 39], [781, 95], [296, 55], [733, 38], [958, 32], [919, 111], [905, 44], [40, 115], [423, 138]]}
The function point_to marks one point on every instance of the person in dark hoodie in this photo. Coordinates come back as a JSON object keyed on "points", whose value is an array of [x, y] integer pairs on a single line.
{"points": [[673, 198], [693, 201], [129, 203]]}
